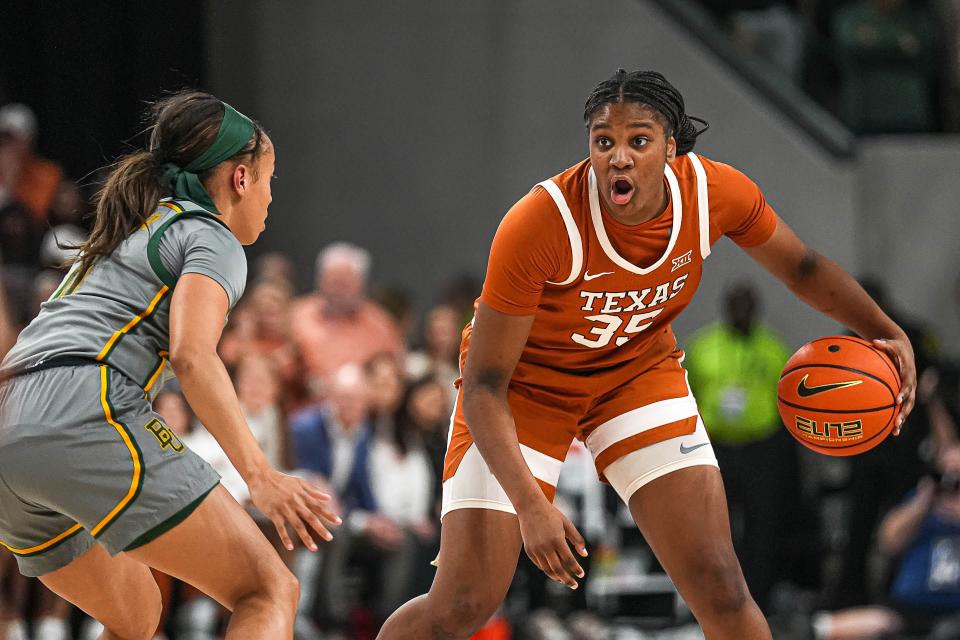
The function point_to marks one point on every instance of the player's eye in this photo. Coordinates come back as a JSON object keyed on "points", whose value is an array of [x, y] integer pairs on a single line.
{"points": [[640, 141], [603, 142]]}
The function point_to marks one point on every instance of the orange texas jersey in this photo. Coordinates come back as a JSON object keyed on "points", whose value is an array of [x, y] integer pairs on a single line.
{"points": [[604, 293]]}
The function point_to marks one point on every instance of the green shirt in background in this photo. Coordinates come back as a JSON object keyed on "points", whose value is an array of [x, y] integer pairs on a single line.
{"points": [[734, 378]]}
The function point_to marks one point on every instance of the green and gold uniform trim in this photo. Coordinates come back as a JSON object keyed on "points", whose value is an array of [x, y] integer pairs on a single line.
{"points": [[153, 245], [71, 281], [136, 481], [157, 370], [137, 319], [44, 546]]}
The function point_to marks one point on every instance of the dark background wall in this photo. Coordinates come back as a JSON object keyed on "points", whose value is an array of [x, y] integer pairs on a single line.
{"points": [[89, 68], [410, 127]]}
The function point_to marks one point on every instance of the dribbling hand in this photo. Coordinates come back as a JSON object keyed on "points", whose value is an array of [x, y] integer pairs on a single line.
{"points": [[901, 352], [287, 500], [545, 534]]}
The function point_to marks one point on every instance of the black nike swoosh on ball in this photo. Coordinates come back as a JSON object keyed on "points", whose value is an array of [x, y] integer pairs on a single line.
{"points": [[805, 392]]}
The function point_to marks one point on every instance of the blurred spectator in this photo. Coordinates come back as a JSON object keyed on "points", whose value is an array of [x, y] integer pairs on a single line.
{"points": [[438, 357], [385, 383], [887, 54], [258, 389], [922, 534], [264, 329], [771, 30], [239, 334], [425, 410], [395, 300], [338, 324], [276, 268], [60, 243], [333, 441], [7, 333], [19, 236], [19, 257], [949, 18], [403, 481], [879, 476], [734, 366], [461, 293], [25, 176]]}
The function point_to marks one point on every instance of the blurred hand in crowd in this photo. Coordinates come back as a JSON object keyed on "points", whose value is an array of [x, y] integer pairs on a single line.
{"points": [[383, 532]]}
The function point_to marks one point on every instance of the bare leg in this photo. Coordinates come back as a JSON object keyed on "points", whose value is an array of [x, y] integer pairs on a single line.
{"points": [[683, 516], [118, 592], [217, 548], [220, 550], [478, 557]]}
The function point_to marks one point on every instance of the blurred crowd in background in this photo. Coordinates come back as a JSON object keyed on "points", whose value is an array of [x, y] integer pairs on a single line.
{"points": [[349, 385], [880, 66]]}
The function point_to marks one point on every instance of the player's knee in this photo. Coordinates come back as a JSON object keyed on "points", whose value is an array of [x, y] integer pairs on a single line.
{"points": [[286, 587], [273, 585], [460, 615], [139, 622], [722, 588]]}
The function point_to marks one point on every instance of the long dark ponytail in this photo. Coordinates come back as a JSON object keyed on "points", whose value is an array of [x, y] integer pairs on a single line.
{"points": [[181, 127], [652, 89]]}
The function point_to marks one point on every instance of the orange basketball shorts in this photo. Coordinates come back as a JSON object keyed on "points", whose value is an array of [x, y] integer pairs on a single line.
{"points": [[646, 422]]}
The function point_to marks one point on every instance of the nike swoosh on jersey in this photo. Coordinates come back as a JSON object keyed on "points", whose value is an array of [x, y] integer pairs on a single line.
{"points": [[685, 450], [587, 276], [805, 392]]}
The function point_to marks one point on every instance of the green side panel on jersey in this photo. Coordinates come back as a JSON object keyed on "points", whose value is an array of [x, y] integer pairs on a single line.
{"points": [[153, 245]]}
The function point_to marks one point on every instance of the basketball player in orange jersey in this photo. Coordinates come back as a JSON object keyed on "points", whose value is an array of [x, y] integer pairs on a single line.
{"points": [[572, 339]]}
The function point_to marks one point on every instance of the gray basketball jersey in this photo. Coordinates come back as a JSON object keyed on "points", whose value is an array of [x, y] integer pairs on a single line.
{"points": [[118, 312]]}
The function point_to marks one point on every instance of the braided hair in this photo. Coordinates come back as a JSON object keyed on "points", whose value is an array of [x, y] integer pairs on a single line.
{"points": [[652, 90]]}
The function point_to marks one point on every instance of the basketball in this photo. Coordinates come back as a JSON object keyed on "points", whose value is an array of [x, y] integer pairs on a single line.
{"points": [[838, 395]]}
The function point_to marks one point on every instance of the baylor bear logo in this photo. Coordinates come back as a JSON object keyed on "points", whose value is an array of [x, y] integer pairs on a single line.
{"points": [[164, 435]]}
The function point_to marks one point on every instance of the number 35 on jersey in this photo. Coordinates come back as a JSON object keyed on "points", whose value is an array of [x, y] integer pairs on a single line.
{"points": [[622, 314]]}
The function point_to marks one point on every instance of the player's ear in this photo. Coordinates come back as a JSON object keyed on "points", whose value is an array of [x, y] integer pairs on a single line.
{"points": [[671, 149], [241, 176]]}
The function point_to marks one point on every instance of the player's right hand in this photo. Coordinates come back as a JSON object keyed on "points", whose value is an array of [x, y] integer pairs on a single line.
{"points": [[545, 534], [287, 500]]}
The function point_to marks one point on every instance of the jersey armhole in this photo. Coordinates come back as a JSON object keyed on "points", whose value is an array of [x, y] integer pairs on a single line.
{"points": [[703, 204], [573, 234], [153, 244]]}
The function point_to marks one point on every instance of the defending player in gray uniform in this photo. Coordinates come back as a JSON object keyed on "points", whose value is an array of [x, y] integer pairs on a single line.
{"points": [[83, 457]]}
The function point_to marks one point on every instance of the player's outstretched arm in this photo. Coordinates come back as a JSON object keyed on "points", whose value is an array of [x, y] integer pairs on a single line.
{"points": [[825, 286], [197, 313], [495, 347]]}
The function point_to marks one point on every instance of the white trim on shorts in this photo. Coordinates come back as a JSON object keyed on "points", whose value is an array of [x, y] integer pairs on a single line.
{"points": [[637, 468], [637, 421], [473, 485]]}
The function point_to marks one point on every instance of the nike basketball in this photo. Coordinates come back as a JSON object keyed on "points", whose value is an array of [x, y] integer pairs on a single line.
{"points": [[838, 395]]}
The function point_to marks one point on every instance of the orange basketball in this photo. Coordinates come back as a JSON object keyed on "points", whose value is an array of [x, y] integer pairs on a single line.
{"points": [[838, 395]]}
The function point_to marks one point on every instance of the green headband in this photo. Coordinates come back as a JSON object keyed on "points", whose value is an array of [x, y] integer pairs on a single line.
{"points": [[235, 132]]}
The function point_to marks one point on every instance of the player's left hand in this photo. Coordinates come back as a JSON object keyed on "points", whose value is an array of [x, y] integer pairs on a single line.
{"points": [[901, 352], [288, 500]]}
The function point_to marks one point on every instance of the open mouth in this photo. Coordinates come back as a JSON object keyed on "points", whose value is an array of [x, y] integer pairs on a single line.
{"points": [[621, 191]]}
